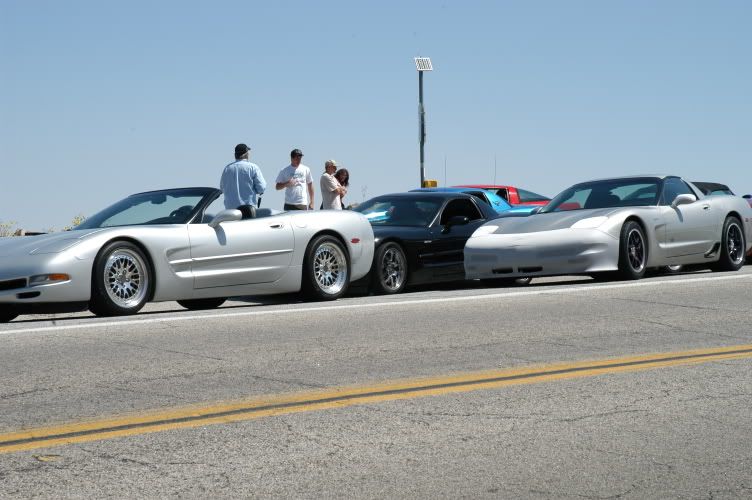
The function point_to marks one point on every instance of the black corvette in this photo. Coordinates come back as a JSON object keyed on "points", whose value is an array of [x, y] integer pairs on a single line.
{"points": [[420, 237]]}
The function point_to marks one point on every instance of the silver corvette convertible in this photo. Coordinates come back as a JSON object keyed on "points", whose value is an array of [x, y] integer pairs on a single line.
{"points": [[180, 244], [615, 227]]}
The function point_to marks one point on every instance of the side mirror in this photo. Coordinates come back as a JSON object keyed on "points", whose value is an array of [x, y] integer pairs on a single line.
{"points": [[231, 214], [683, 199]]}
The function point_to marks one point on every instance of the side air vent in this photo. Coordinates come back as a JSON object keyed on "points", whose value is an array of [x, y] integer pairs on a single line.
{"points": [[12, 284], [503, 270], [535, 269]]}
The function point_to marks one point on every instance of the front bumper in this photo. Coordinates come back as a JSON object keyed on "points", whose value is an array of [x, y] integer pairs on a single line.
{"points": [[547, 253], [14, 279]]}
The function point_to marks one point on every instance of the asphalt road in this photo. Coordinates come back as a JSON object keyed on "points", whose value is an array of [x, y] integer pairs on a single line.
{"points": [[544, 391]]}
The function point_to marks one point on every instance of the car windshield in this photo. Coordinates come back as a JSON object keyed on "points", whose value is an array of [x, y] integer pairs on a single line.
{"points": [[156, 207], [400, 211], [610, 193]]}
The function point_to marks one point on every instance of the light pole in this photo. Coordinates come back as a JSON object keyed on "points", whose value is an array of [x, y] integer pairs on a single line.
{"points": [[422, 64]]}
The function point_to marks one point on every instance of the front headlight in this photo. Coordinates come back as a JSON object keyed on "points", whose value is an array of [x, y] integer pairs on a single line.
{"points": [[484, 230], [589, 223]]}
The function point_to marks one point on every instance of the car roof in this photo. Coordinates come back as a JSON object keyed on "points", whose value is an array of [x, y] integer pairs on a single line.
{"points": [[627, 177], [453, 189], [425, 194]]}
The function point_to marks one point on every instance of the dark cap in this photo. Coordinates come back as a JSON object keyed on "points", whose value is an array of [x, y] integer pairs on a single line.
{"points": [[241, 149], [296, 152]]}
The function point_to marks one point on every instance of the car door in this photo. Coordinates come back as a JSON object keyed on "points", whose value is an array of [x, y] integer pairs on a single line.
{"points": [[687, 229], [241, 252], [448, 243]]}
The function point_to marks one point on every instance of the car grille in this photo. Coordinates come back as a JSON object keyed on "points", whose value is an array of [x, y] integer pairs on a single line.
{"points": [[12, 284]]}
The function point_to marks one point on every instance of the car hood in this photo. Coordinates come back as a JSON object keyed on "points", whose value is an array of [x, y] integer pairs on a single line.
{"points": [[547, 221], [13, 246]]}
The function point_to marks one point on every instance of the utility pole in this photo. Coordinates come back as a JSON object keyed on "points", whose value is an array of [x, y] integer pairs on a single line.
{"points": [[422, 64]]}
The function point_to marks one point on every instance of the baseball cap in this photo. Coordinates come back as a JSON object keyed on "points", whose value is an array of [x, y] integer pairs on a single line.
{"points": [[296, 152], [241, 149], [330, 162]]}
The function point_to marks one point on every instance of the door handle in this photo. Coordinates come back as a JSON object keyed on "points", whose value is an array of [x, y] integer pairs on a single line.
{"points": [[278, 225], [706, 207]]}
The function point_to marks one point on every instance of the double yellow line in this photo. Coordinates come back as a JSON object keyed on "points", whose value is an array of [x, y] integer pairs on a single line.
{"points": [[196, 416]]}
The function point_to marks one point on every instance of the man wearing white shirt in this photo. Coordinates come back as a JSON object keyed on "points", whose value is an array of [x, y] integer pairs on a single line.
{"points": [[330, 187], [297, 182]]}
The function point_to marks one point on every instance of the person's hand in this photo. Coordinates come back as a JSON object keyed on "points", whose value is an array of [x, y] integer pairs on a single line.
{"points": [[310, 206]]}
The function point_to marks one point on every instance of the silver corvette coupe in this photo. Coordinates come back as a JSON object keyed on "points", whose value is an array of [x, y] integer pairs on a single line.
{"points": [[615, 227], [180, 244]]}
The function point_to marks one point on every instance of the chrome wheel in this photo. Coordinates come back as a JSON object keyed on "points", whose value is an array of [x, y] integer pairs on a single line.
{"points": [[330, 268], [735, 243], [126, 278], [393, 269], [636, 250]]}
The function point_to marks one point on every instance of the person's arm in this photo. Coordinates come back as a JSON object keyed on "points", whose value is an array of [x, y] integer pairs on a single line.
{"points": [[329, 183], [281, 182], [259, 183], [310, 195]]}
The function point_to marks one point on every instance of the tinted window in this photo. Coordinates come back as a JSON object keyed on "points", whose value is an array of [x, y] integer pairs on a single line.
{"points": [[530, 196], [481, 196], [400, 211], [462, 207], [673, 187], [503, 193]]}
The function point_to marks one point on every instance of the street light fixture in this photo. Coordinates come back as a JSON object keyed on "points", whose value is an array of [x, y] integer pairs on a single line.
{"points": [[422, 64]]}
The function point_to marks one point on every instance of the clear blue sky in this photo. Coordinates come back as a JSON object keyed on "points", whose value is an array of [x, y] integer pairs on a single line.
{"points": [[99, 100]]}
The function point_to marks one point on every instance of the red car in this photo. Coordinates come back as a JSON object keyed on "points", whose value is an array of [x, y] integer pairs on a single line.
{"points": [[513, 195]]}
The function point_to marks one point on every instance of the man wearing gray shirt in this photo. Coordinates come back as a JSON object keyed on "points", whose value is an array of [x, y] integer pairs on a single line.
{"points": [[241, 180]]}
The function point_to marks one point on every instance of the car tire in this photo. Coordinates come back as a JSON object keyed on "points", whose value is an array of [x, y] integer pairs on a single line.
{"points": [[7, 316], [507, 281], [390, 269], [121, 281], [633, 251], [326, 270], [200, 304], [732, 246]]}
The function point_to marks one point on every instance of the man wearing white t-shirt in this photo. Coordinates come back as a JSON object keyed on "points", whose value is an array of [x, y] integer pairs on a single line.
{"points": [[297, 182], [330, 187]]}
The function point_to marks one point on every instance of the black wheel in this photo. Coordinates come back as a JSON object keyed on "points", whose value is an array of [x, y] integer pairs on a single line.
{"points": [[199, 304], [121, 282], [390, 269], [7, 316], [326, 272], [633, 251], [507, 281], [732, 246]]}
